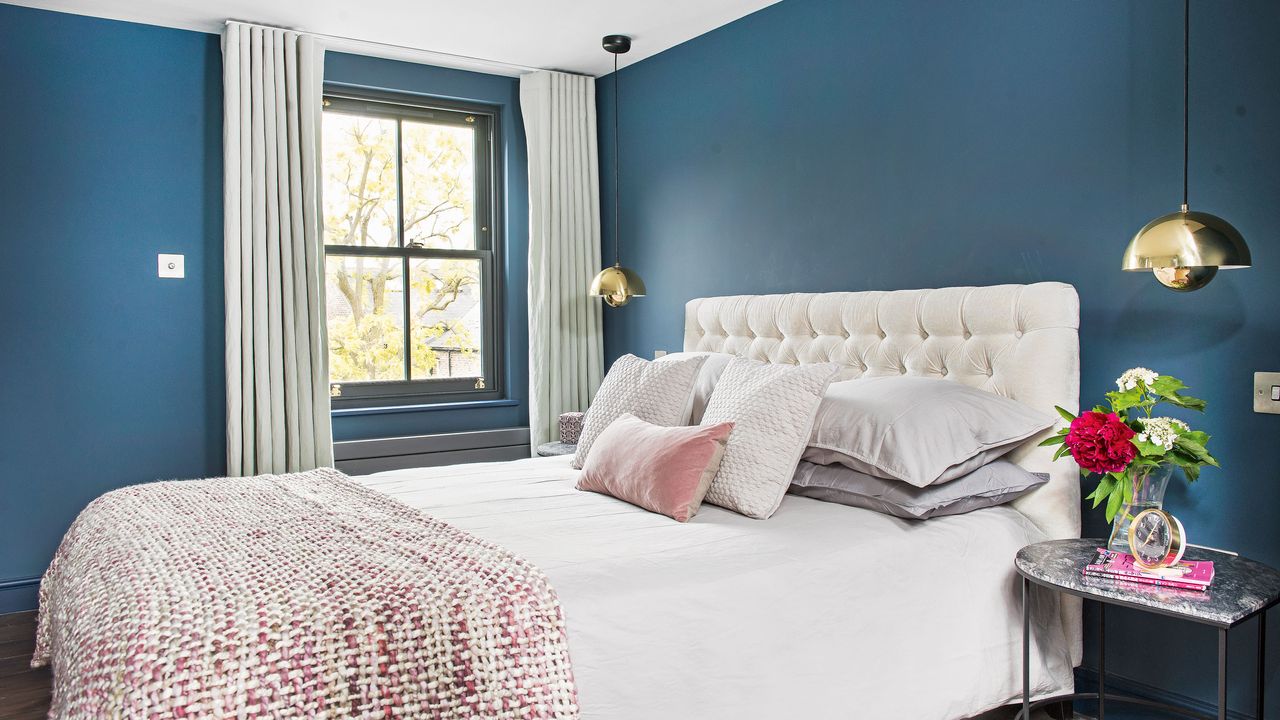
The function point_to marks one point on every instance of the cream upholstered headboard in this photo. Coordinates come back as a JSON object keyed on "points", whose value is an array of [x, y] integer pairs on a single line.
{"points": [[1020, 341]]}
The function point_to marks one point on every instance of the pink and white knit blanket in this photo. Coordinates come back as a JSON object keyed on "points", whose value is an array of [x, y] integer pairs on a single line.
{"points": [[293, 596]]}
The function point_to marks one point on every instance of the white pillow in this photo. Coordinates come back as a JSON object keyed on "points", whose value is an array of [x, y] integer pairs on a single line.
{"points": [[707, 378], [772, 409], [922, 431], [657, 393]]}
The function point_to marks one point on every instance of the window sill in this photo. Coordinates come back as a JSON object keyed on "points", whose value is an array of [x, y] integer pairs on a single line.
{"points": [[425, 407]]}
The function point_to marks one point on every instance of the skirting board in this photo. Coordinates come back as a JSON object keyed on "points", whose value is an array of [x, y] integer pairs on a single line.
{"points": [[18, 594], [361, 457], [1087, 681]]}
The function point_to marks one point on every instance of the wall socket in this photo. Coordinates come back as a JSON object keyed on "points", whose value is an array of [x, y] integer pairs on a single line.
{"points": [[658, 353], [1266, 392]]}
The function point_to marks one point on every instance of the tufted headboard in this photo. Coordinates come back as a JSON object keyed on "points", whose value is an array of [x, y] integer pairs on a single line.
{"points": [[1019, 341]]}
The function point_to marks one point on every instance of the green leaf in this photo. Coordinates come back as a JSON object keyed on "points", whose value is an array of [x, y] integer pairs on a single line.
{"points": [[1148, 448], [1113, 503], [1062, 450], [1123, 400], [1054, 440], [1195, 450], [1065, 415], [1106, 486], [1167, 385], [1198, 436], [1192, 472], [1186, 401]]}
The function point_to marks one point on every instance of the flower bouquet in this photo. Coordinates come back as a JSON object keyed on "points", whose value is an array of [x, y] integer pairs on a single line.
{"points": [[1132, 452]]}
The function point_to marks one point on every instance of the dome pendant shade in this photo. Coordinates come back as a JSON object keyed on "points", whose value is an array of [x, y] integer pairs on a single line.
{"points": [[617, 285], [1186, 249]]}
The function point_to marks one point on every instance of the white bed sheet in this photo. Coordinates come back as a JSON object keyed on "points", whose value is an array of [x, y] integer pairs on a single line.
{"points": [[821, 611]]}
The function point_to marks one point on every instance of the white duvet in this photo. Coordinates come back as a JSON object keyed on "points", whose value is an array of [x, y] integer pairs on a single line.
{"points": [[821, 611]]}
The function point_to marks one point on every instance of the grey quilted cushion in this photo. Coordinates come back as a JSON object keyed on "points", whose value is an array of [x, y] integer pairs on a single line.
{"points": [[772, 408], [657, 393]]}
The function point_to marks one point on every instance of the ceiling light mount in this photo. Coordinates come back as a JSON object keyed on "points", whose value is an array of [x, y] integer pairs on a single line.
{"points": [[616, 44]]}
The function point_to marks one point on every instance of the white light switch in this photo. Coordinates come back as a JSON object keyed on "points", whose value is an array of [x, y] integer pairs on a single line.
{"points": [[172, 266], [658, 353], [1266, 392]]}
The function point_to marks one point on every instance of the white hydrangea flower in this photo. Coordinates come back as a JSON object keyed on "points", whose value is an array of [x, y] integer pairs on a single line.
{"points": [[1129, 380], [1161, 431]]}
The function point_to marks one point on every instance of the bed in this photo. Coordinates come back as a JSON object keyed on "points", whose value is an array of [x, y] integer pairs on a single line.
{"points": [[513, 595], [822, 610]]}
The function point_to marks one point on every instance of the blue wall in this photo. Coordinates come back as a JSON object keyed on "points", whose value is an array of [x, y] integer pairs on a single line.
{"points": [[823, 145], [111, 152]]}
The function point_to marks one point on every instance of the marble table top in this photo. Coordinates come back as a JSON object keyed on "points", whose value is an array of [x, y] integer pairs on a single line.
{"points": [[556, 448], [1241, 587]]}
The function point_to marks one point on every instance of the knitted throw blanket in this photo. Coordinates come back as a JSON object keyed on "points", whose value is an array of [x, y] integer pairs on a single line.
{"points": [[293, 596]]}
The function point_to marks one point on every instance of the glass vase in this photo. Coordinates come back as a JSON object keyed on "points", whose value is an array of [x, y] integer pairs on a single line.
{"points": [[1149, 484]]}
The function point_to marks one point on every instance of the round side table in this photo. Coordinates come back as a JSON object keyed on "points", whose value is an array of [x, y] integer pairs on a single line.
{"points": [[556, 448], [1241, 589]]}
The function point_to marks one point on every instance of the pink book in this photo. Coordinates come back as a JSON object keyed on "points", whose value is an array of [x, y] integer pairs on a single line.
{"points": [[1188, 574]]}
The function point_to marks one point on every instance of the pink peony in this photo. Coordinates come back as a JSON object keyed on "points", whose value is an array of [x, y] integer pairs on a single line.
{"points": [[1101, 442]]}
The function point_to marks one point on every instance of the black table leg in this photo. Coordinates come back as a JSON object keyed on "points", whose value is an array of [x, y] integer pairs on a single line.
{"points": [[1026, 649], [1222, 674], [1262, 662], [1102, 661]]}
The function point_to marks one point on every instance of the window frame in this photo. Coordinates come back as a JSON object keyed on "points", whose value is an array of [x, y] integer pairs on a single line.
{"points": [[489, 248]]}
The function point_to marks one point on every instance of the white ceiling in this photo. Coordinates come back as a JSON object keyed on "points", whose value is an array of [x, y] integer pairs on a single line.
{"points": [[554, 34]]}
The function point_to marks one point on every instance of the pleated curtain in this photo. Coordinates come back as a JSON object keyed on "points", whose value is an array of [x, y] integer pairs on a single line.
{"points": [[565, 346], [277, 362]]}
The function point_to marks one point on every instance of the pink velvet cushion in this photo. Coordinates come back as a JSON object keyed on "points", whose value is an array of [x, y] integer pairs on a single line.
{"points": [[662, 469]]}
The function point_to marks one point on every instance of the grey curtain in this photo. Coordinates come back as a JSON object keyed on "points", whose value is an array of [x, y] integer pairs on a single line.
{"points": [[565, 345], [277, 362]]}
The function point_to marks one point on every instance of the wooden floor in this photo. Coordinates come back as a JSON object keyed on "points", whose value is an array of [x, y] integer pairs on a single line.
{"points": [[24, 693]]}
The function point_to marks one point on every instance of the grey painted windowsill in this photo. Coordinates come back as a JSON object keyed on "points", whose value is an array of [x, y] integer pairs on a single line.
{"points": [[424, 407]]}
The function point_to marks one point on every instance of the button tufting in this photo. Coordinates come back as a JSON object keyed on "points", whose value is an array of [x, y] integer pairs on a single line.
{"points": [[967, 334], [1017, 333], [944, 372]]}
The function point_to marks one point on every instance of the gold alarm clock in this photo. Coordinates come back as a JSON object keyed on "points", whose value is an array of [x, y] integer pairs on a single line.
{"points": [[1156, 539]]}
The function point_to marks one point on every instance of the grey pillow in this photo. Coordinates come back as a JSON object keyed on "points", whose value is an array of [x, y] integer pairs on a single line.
{"points": [[922, 431], [992, 484]]}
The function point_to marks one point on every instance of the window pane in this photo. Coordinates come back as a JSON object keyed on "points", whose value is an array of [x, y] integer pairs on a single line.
{"points": [[439, 185], [446, 303], [359, 180], [365, 315]]}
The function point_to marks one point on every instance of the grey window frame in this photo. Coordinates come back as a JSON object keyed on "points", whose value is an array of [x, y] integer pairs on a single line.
{"points": [[489, 245]]}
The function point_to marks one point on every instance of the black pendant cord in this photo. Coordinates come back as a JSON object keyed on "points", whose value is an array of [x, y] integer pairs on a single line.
{"points": [[617, 162], [1186, 97]]}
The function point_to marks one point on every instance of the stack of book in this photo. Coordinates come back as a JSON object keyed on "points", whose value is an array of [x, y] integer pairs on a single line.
{"points": [[1186, 575]]}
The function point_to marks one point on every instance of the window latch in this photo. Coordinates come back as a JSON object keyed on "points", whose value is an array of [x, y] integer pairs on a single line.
{"points": [[335, 390], [479, 383]]}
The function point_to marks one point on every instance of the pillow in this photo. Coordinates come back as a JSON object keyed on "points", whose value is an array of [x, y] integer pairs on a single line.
{"points": [[654, 392], [772, 408], [707, 378], [992, 484], [662, 469], [922, 431]]}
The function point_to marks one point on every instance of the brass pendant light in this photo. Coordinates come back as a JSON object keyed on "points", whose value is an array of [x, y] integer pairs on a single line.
{"points": [[617, 284], [1186, 249]]}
